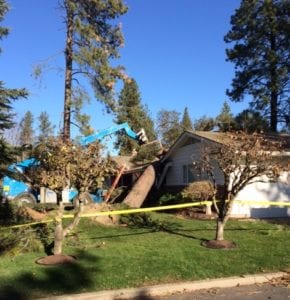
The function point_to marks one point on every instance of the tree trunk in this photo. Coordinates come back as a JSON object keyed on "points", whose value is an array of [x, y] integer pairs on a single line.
{"points": [[58, 233], [274, 112], [224, 215], [274, 88], [220, 230], [68, 74], [142, 187]]}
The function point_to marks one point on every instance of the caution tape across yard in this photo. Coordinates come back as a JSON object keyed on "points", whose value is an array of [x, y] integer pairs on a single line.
{"points": [[265, 203], [147, 209], [115, 212]]}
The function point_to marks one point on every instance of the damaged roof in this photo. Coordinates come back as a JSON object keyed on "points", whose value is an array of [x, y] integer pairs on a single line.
{"points": [[221, 138]]}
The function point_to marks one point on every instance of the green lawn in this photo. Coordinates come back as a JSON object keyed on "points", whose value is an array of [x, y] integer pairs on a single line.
{"points": [[165, 249]]}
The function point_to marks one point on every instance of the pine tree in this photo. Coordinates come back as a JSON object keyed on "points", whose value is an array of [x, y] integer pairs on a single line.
{"points": [[186, 123], [45, 128], [132, 111], [250, 121], [26, 129], [80, 119], [260, 36], [7, 96], [225, 120], [168, 125], [92, 41], [204, 123]]}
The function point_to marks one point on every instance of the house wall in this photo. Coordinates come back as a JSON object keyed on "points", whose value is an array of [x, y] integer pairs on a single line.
{"points": [[257, 191], [264, 191], [185, 156]]}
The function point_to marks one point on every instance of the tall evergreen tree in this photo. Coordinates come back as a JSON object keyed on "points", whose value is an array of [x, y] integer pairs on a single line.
{"points": [[7, 96], [131, 110], [168, 125], [260, 36], [92, 41], [225, 120], [26, 129], [45, 127], [186, 123], [204, 123], [250, 121]]}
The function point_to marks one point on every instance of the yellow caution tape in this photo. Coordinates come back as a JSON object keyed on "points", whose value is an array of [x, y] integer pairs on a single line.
{"points": [[27, 224], [58, 219], [139, 210], [113, 212], [271, 203], [147, 209]]}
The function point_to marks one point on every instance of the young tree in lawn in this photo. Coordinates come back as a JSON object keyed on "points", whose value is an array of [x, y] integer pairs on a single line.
{"points": [[242, 159], [92, 42], [204, 124], [168, 126], [63, 165], [131, 110], [45, 128], [186, 123], [225, 120], [26, 129], [260, 50]]}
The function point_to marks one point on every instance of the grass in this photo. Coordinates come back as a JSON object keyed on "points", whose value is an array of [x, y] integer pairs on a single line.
{"points": [[159, 249]]}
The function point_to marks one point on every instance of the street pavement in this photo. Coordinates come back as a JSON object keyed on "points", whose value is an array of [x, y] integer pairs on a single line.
{"points": [[257, 287], [249, 292]]}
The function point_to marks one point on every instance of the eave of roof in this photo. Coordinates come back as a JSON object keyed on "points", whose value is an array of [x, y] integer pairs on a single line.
{"points": [[221, 138]]}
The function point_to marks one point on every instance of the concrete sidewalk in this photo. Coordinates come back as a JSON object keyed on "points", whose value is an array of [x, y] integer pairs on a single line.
{"points": [[149, 292]]}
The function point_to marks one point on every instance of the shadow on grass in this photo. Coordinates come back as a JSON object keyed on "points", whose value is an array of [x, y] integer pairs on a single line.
{"points": [[278, 221], [54, 280], [145, 221]]}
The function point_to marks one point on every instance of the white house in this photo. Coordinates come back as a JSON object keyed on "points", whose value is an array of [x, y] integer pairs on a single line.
{"points": [[178, 172]]}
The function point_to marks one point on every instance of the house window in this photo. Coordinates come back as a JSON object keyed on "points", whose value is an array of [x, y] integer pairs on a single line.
{"points": [[190, 174]]}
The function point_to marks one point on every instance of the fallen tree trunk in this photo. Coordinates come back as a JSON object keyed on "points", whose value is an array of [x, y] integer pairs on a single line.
{"points": [[142, 187]]}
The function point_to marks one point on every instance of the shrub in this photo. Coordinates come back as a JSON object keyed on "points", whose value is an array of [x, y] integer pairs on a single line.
{"points": [[198, 191], [169, 199], [22, 239]]}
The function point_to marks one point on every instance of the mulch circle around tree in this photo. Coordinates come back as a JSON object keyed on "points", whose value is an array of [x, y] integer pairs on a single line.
{"points": [[58, 259], [214, 244]]}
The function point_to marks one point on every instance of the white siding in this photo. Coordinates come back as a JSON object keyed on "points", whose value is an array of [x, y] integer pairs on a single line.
{"points": [[258, 191], [264, 191], [185, 156]]}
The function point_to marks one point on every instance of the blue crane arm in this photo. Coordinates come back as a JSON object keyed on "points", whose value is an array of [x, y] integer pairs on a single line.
{"points": [[21, 166], [139, 136]]}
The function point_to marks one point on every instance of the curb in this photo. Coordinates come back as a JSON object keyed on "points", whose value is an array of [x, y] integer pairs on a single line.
{"points": [[168, 289]]}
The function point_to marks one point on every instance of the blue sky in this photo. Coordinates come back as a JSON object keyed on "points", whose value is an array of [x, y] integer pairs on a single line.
{"points": [[173, 49]]}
